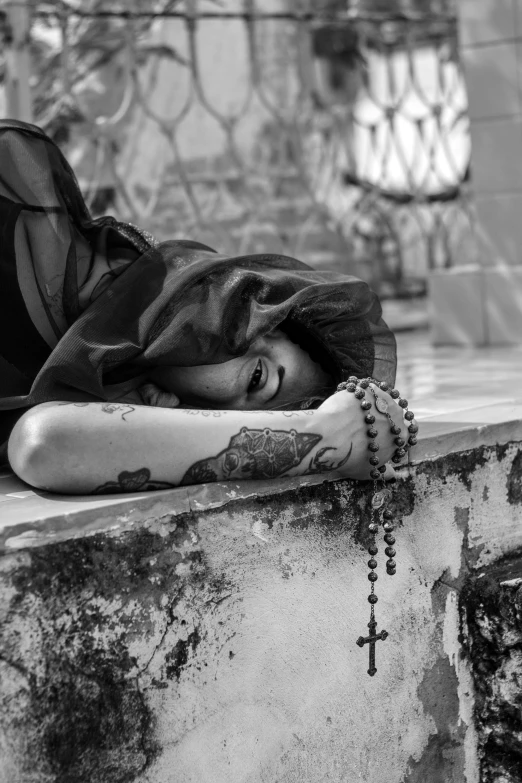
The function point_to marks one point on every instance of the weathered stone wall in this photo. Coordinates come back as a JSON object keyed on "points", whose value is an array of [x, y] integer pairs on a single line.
{"points": [[492, 609], [218, 645]]}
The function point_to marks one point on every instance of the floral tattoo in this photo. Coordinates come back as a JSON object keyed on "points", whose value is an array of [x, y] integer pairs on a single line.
{"points": [[132, 481], [250, 454], [254, 454]]}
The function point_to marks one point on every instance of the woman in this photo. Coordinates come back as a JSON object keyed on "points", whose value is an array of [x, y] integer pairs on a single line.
{"points": [[104, 332]]}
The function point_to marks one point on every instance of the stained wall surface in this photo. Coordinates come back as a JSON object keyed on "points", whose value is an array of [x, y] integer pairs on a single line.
{"points": [[211, 638]]}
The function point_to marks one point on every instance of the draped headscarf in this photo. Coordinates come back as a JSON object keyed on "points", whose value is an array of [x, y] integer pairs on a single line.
{"points": [[87, 306]]}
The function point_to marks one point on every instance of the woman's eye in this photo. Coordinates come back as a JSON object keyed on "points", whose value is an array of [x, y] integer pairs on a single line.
{"points": [[255, 380]]}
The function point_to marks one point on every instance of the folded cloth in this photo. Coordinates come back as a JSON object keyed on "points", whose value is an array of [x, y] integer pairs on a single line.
{"points": [[88, 307]]}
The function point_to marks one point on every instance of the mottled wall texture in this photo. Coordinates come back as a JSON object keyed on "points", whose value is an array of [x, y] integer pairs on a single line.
{"points": [[220, 646], [492, 609]]}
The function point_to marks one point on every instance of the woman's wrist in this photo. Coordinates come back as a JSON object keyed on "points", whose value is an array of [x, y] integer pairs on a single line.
{"points": [[348, 417]]}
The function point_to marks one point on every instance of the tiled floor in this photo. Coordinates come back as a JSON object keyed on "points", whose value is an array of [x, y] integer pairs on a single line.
{"points": [[463, 398], [445, 380]]}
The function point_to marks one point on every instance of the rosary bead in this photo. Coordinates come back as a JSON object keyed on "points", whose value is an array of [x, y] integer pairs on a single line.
{"points": [[359, 394], [384, 386], [395, 430], [403, 403], [369, 418], [400, 453], [399, 441], [382, 468], [409, 415], [372, 576], [364, 383], [372, 563], [388, 527], [394, 394], [391, 571], [374, 460], [413, 428], [373, 550], [412, 440], [391, 563], [366, 405], [372, 432], [351, 387], [373, 528], [396, 459], [341, 386], [353, 379], [389, 538], [375, 474], [373, 446], [388, 514], [390, 551], [372, 598]]}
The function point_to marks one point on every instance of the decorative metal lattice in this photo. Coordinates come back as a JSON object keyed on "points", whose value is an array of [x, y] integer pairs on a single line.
{"points": [[333, 131]]}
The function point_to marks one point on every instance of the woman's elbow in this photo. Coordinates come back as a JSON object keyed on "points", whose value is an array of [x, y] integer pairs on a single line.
{"points": [[36, 449]]}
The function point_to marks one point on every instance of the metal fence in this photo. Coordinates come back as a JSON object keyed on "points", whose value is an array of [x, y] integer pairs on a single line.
{"points": [[333, 131]]}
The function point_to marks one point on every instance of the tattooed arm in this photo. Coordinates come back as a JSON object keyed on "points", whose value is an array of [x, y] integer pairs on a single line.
{"points": [[116, 447]]}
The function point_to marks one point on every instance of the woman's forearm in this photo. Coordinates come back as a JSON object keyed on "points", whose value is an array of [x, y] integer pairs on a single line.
{"points": [[116, 447]]}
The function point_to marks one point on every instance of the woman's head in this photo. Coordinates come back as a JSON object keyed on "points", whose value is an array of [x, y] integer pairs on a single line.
{"points": [[274, 373]]}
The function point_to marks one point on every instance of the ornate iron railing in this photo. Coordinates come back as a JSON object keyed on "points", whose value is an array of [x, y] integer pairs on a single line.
{"points": [[333, 131]]}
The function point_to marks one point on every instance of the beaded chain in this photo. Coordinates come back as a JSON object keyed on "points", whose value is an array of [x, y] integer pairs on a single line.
{"points": [[380, 514]]}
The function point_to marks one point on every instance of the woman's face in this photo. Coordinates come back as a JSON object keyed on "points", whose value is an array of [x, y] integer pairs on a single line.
{"points": [[274, 373]]}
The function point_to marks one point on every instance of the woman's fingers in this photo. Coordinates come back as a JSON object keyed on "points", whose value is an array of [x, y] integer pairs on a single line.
{"points": [[153, 395], [394, 410], [396, 414], [389, 473]]}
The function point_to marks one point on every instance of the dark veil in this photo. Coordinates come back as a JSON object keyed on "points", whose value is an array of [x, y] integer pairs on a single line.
{"points": [[87, 306]]}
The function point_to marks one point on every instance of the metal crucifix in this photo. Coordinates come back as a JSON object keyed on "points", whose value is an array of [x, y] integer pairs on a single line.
{"points": [[371, 639]]}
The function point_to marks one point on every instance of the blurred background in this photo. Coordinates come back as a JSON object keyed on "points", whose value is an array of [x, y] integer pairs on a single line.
{"points": [[337, 131], [334, 131]]}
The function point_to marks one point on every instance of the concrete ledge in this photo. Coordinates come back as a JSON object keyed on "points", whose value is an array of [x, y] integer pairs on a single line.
{"points": [[33, 518], [220, 642], [450, 433], [212, 630]]}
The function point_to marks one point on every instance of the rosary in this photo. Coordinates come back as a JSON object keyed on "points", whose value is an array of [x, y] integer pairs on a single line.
{"points": [[380, 514]]}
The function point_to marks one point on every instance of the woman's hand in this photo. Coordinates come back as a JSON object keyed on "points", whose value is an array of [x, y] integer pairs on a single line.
{"points": [[343, 422], [156, 397]]}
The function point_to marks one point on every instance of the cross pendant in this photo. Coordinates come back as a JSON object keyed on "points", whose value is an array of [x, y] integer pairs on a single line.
{"points": [[371, 639]]}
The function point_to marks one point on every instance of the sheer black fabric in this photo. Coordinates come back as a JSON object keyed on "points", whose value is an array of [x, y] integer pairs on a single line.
{"points": [[87, 307]]}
